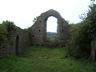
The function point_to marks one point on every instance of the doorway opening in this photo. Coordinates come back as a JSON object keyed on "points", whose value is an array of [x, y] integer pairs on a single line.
{"points": [[17, 45]]}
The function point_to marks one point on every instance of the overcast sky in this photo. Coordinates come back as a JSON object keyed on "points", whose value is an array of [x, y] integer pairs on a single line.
{"points": [[22, 12]]}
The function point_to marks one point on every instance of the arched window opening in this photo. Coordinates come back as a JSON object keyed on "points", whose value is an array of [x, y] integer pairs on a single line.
{"points": [[51, 29]]}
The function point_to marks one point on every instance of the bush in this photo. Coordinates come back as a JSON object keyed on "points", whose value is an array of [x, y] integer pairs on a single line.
{"points": [[80, 43], [6, 28]]}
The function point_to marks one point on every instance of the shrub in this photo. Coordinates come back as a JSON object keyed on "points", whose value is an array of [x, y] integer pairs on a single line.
{"points": [[6, 28], [80, 43]]}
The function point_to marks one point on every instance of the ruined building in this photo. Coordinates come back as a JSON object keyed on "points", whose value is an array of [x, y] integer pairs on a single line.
{"points": [[38, 30], [36, 34]]}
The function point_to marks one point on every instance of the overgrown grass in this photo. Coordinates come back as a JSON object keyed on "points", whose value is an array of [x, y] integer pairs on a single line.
{"points": [[44, 53], [42, 59]]}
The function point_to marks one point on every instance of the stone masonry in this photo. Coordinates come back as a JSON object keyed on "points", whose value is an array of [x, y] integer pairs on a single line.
{"points": [[36, 34], [38, 30]]}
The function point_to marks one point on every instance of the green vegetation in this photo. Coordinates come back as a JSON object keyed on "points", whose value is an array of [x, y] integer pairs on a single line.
{"points": [[82, 34], [35, 19], [52, 37], [6, 28], [42, 59]]}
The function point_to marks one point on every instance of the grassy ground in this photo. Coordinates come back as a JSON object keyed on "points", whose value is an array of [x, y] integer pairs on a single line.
{"points": [[41, 59]]}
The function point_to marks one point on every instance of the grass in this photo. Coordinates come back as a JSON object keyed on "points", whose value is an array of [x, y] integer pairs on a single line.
{"points": [[42, 59]]}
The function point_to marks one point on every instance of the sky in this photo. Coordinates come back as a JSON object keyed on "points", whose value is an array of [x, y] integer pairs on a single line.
{"points": [[22, 12]]}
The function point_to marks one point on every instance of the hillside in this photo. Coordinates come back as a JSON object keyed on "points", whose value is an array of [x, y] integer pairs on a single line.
{"points": [[51, 35]]}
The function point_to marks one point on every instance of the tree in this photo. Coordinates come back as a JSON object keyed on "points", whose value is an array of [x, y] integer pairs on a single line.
{"points": [[6, 28], [81, 40]]}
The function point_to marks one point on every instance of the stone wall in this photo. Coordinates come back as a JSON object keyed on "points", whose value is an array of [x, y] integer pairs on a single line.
{"points": [[38, 30], [36, 34], [93, 50], [9, 46], [23, 39]]}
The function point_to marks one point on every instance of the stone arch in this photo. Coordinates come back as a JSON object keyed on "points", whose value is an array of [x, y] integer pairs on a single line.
{"points": [[40, 24], [48, 14]]}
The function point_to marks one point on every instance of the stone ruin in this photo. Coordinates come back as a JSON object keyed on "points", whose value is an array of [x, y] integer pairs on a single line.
{"points": [[36, 34], [39, 29]]}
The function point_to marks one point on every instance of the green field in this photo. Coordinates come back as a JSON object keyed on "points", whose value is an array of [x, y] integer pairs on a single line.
{"points": [[42, 59]]}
